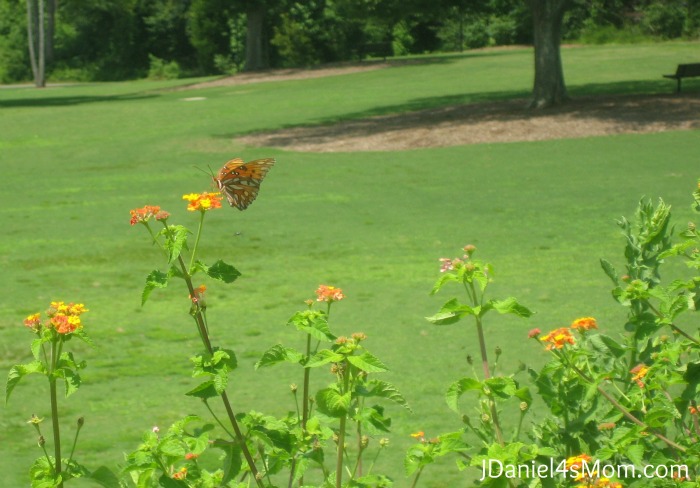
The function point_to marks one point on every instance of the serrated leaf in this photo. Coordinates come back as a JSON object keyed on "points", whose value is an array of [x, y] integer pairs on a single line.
{"points": [[445, 278], [510, 306], [324, 356], [451, 312], [457, 389], [610, 270], [18, 372], [104, 477], [635, 453], [277, 354], [382, 389], [501, 386], [222, 272], [330, 402], [156, 279], [367, 362], [204, 391], [314, 323], [176, 238]]}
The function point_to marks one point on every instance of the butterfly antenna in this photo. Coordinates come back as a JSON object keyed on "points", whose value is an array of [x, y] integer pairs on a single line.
{"points": [[210, 173]]}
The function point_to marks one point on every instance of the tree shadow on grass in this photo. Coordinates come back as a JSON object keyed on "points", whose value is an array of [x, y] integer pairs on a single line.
{"points": [[597, 109], [68, 100]]}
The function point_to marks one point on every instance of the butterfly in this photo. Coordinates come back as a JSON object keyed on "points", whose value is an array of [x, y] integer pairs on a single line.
{"points": [[240, 181]]}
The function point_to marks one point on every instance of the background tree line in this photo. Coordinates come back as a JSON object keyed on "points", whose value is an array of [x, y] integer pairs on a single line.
{"points": [[120, 39]]}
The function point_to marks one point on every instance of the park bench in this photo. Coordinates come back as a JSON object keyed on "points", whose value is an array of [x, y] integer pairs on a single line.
{"points": [[684, 71]]}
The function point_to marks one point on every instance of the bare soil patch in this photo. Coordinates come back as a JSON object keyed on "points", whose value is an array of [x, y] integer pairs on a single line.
{"points": [[491, 122]]}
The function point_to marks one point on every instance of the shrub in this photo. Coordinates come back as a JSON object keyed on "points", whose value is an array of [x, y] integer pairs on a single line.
{"points": [[160, 69]]}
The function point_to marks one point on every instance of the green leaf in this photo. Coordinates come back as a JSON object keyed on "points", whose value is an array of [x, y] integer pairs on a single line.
{"points": [[367, 362], [501, 386], [176, 239], [610, 271], [382, 389], [451, 312], [330, 402], [18, 372], [157, 279], [104, 477], [324, 356], [222, 272], [635, 453], [277, 354], [204, 391], [445, 278], [457, 389], [314, 323], [510, 306]]}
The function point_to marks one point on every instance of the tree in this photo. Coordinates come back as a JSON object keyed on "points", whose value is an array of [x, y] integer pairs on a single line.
{"points": [[549, 87], [37, 41]]}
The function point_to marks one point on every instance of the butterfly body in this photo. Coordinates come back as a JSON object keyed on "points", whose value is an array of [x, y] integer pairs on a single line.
{"points": [[240, 181]]}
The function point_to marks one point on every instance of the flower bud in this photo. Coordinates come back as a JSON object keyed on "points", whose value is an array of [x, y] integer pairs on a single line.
{"points": [[293, 387]]}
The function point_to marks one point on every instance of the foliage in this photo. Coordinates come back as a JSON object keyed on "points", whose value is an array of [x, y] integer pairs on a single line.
{"points": [[96, 40], [161, 70]]}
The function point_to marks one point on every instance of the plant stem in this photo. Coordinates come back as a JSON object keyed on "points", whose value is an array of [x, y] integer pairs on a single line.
{"points": [[54, 410], [624, 411], [201, 326], [196, 241], [341, 430], [487, 375], [415, 479]]}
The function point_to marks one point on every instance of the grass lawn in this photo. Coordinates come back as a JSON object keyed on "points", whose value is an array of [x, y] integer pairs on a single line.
{"points": [[76, 159]]}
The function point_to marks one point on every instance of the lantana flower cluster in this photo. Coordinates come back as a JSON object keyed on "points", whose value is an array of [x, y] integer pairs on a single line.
{"points": [[202, 201], [558, 338], [146, 213], [585, 477], [450, 264], [61, 316], [326, 293]]}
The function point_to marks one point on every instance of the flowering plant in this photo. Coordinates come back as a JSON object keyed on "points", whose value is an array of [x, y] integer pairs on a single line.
{"points": [[61, 323]]}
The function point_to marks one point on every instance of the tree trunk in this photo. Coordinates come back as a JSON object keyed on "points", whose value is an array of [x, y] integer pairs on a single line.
{"points": [[50, 28], [35, 40], [255, 58], [549, 88]]}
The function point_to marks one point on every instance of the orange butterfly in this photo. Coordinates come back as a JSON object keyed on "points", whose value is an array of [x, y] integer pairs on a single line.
{"points": [[240, 181]]}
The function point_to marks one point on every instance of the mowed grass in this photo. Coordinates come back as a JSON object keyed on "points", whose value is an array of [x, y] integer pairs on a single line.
{"points": [[75, 159]]}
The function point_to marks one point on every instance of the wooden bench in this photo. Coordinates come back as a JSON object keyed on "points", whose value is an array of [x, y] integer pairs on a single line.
{"points": [[684, 71]]}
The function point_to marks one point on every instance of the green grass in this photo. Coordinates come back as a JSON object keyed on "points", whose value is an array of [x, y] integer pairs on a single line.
{"points": [[75, 159]]}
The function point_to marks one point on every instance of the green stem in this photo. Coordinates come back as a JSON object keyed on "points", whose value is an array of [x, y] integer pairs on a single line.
{"points": [[202, 328], [54, 409], [621, 408], [75, 442], [196, 241], [206, 403], [415, 479], [341, 430]]}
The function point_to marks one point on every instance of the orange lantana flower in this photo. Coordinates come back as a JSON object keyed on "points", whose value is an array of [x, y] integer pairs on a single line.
{"points": [[558, 338], [639, 372], [583, 324], [144, 214], [202, 201], [326, 293]]}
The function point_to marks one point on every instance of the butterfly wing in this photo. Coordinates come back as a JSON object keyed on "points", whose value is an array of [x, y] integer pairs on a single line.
{"points": [[240, 181]]}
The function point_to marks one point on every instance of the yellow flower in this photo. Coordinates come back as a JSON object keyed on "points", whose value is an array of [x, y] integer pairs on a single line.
{"points": [[202, 201], [585, 323], [558, 338]]}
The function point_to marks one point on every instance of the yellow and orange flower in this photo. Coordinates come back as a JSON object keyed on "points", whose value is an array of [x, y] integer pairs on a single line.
{"points": [[639, 372], [65, 317], [33, 321], [558, 338], [326, 293], [584, 323], [202, 201]]}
